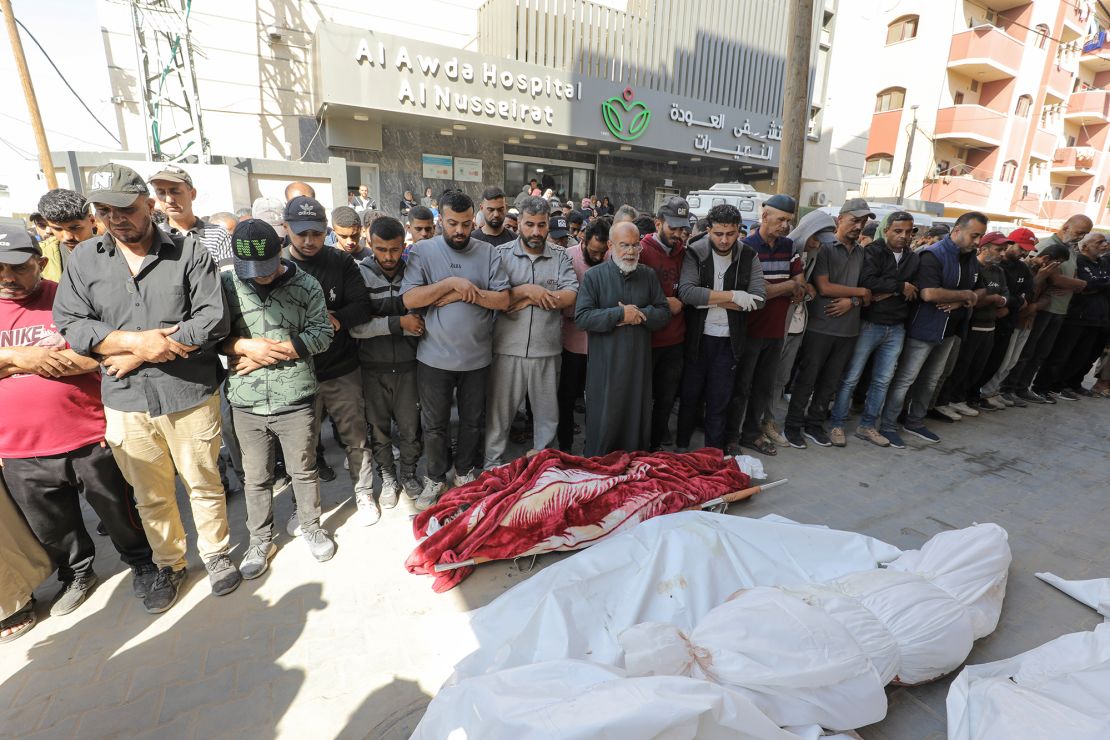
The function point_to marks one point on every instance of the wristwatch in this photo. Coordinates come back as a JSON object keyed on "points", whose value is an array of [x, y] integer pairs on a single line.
{"points": [[855, 301]]}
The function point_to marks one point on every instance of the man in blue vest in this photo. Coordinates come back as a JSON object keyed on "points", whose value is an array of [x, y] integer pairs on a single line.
{"points": [[945, 278]]}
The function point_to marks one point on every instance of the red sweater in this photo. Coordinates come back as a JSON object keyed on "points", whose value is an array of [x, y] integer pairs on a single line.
{"points": [[668, 267]]}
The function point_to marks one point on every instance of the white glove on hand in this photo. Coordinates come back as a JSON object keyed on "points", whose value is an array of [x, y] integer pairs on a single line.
{"points": [[746, 301]]}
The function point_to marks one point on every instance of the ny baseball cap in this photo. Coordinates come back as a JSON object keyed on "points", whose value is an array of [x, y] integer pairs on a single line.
{"points": [[857, 207], [994, 237], [16, 245], [305, 214], [256, 249], [675, 212], [559, 227], [115, 185], [172, 173], [1024, 238]]}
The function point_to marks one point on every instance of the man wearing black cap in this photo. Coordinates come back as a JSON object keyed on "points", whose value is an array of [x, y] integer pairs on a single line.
{"points": [[664, 251], [833, 326], [151, 304], [337, 368], [52, 432], [765, 327], [888, 270], [722, 280], [173, 188], [278, 323], [560, 232]]}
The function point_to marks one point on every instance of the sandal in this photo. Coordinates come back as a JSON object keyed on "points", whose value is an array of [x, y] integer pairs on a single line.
{"points": [[19, 623], [764, 446]]}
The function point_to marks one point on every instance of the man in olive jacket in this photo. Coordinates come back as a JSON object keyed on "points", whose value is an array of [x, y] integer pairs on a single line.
{"points": [[279, 320]]}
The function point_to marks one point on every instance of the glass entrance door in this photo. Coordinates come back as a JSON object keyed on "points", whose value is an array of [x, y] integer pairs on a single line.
{"points": [[565, 180]]}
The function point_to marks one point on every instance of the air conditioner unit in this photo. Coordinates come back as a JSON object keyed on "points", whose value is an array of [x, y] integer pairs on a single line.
{"points": [[819, 198]]}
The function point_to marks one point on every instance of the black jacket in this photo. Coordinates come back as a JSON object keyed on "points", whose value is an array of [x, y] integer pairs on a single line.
{"points": [[697, 279], [881, 273], [1092, 306], [346, 297], [1019, 282]]}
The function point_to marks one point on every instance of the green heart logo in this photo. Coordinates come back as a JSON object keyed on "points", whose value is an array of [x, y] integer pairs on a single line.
{"points": [[618, 109]]}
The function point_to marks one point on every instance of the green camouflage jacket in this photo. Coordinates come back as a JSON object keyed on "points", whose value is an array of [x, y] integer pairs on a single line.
{"points": [[292, 309]]}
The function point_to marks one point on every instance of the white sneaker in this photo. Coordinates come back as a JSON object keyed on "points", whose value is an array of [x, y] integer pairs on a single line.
{"points": [[368, 510], [995, 402], [462, 480], [948, 412], [963, 408], [432, 491], [293, 526]]}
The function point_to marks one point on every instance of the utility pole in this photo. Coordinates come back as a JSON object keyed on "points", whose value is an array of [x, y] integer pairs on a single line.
{"points": [[45, 161], [795, 97], [909, 156]]}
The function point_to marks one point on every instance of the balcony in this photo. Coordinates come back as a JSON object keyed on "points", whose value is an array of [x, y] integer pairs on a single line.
{"points": [[985, 53], [1096, 52], [1059, 83], [1000, 5], [1076, 160], [970, 125], [1060, 210], [1044, 145], [1088, 106], [958, 191]]}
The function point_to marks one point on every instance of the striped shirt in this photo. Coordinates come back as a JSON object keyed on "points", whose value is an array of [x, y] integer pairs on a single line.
{"points": [[214, 238], [779, 263]]}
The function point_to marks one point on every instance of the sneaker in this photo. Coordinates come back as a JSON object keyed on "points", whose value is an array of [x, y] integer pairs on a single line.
{"points": [[1012, 400], [325, 471], [818, 437], [794, 438], [73, 594], [1067, 395], [223, 576], [872, 435], [732, 449], [101, 529], [468, 477], [164, 590], [1081, 391], [963, 409], [1049, 397], [412, 487], [836, 436], [949, 412], [142, 578], [893, 439], [293, 526], [996, 402], [923, 433], [257, 560], [1030, 396], [771, 432], [432, 491], [281, 479], [391, 489], [320, 544], [369, 512]]}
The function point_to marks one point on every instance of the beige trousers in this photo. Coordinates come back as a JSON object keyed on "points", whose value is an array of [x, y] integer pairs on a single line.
{"points": [[148, 451], [23, 563]]}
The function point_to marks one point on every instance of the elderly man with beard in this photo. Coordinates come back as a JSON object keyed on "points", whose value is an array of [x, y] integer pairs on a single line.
{"points": [[888, 270], [527, 337], [70, 222], [722, 279], [833, 326], [620, 303], [572, 372], [462, 284], [664, 252]]}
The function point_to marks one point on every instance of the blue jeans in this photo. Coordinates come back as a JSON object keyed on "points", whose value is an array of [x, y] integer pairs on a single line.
{"points": [[914, 354], [885, 342]]}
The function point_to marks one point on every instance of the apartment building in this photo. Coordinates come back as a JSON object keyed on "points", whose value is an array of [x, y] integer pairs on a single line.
{"points": [[993, 105]]}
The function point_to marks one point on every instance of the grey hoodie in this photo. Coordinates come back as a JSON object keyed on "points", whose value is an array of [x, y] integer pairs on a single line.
{"points": [[809, 225]]}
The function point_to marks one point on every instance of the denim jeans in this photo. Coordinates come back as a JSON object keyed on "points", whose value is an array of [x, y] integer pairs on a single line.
{"points": [[885, 342], [914, 354], [923, 393]]}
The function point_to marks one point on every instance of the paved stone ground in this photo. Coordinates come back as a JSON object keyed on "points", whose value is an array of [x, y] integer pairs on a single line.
{"points": [[356, 647]]}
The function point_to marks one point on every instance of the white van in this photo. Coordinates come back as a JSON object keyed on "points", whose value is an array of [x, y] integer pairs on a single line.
{"points": [[747, 199]]}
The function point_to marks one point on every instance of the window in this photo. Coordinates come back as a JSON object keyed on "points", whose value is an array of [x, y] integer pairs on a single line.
{"points": [[958, 98], [1042, 35], [1024, 102], [1098, 193], [879, 165], [893, 98], [902, 29], [974, 86], [1009, 170]]}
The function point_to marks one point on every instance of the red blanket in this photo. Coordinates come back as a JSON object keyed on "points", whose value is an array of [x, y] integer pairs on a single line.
{"points": [[555, 501]]}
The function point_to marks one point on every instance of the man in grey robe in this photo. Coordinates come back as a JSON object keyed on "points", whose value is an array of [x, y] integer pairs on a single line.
{"points": [[619, 304]]}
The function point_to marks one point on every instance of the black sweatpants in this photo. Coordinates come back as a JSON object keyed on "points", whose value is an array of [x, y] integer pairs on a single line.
{"points": [[390, 396], [821, 364], [46, 491], [572, 384], [975, 350], [436, 388], [666, 381]]}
